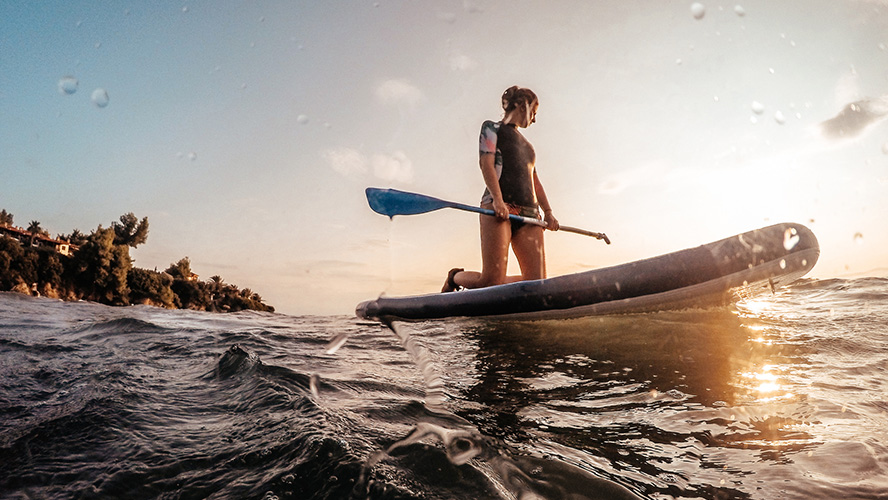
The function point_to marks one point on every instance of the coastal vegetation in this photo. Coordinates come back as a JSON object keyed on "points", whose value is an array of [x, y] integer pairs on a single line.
{"points": [[98, 267]]}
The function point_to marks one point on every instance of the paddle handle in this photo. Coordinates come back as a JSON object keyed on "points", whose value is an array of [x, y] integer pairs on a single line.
{"points": [[600, 236]]}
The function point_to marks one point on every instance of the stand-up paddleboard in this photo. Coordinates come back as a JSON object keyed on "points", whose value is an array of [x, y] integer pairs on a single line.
{"points": [[714, 274]]}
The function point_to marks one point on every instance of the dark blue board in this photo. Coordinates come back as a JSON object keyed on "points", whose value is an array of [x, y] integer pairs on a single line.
{"points": [[714, 274]]}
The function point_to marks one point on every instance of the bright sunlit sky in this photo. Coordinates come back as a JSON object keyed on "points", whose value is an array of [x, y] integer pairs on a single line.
{"points": [[247, 131]]}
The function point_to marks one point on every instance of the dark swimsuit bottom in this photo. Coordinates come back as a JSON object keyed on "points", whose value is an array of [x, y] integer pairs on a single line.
{"points": [[533, 213]]}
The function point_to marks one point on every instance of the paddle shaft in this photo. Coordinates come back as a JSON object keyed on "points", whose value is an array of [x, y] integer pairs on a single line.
{"points": [[531, 220]]}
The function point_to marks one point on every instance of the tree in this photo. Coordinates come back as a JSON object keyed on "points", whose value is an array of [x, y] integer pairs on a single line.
{"points": [[150, 285], [35, 230], [130, 231], [191, 294], [181, 269], [101, 268], [75, 238], [11, 253], [5, 218]]}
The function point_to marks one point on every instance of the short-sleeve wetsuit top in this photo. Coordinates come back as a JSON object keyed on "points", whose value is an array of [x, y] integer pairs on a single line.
{"points": [[515, 159]]}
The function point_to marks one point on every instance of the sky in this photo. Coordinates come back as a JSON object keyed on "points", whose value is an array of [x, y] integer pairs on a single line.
{"points": [[247, 131]]}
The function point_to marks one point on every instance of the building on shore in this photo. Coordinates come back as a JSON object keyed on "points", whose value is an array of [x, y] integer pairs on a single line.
{"points": [[27, 238]]}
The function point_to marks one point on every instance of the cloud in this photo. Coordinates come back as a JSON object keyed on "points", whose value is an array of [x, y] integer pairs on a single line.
{"points": [[345, 161], [459, 62], [395, 167], [399, 92], [856, 118]]}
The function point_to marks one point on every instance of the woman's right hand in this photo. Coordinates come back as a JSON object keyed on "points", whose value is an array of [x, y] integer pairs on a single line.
{"points": [[501, 209]]}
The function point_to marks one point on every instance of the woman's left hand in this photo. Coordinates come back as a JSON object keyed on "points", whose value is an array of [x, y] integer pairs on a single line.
{"points": [[551, 221]]}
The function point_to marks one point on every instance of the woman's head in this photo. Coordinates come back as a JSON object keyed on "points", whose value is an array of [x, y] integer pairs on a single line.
{"points": [[520, 102], [515, 95]]}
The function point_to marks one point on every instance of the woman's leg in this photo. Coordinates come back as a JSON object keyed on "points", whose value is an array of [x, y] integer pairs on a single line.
{"points": [[527, 243], [495, 236]]}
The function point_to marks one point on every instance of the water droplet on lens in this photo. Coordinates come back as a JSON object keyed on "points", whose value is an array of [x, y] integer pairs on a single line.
{"points": [[885, 148], [790, 238], [739, 10], [100, 97], [336, 343], [698, 10], [68, 85], [192, 156], [302, 119], [779, 117], [313, 384], [858, 238], [782, 263], [757, 107]]}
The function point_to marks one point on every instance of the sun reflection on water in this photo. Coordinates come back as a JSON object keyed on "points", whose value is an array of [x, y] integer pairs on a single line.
{"points": [[761, 377]]}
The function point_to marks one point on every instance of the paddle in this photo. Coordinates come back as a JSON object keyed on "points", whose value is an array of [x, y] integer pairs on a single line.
{"points": [[392, 202]]}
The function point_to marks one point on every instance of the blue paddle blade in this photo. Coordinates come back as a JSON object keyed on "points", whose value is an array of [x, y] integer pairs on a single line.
{"points": [[392, 202]]}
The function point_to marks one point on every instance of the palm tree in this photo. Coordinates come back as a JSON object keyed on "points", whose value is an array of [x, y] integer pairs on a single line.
{"points": [[75, 238], [216, 284], [35, 230]]}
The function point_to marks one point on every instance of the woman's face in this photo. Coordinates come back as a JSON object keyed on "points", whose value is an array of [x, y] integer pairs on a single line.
{"points": [[530, 111]]}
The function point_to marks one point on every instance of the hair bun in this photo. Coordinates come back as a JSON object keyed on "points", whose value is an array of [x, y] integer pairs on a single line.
{"points": [[509, 96], [515, 95]]}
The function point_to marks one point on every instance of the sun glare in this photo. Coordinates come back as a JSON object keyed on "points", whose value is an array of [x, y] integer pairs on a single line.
{"points": [[764, 385]]}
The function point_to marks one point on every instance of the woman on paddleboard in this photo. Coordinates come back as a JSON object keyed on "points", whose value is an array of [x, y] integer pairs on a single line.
{"points": [[508, 167]]}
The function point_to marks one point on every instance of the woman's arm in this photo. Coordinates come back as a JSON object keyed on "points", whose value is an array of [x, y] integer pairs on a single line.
{"points": [[488, 171], [551, 221]]}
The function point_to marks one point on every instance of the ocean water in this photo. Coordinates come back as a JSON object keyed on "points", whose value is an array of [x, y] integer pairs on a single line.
{"points": [[784, 397]]}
